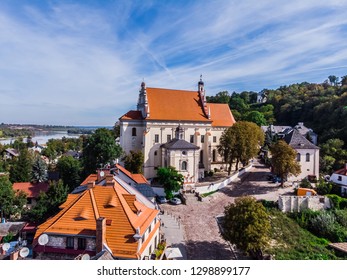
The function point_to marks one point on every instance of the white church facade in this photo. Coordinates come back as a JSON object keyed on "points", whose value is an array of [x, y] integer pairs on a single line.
{"points": [[176, 128]]}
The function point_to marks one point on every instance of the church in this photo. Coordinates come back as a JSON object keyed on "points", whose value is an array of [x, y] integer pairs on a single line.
{"points": [[176, 128]]}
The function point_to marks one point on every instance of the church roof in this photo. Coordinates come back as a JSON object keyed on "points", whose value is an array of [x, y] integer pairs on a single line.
{"points": [[179, 144], [298, 141], [182, 105]]}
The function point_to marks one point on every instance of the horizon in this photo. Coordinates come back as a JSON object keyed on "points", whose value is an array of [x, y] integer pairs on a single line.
{"points": [[68, 62]]}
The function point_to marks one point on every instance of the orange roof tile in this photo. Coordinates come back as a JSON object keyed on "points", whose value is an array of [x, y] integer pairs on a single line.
{"points": [[138, 178], [221, 115], [342, 171], [80, 215], [32, 190], [90, 178], [181, 105]]}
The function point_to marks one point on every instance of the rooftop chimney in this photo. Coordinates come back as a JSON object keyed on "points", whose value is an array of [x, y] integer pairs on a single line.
{"points": [[100, 234], [91, 184], [109, 180]]}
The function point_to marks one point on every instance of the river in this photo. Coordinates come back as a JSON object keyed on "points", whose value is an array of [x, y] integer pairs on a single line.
{"points": [[43, 137]]}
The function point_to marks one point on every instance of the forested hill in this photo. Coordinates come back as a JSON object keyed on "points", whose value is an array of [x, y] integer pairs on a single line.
{"points": [[322, 107]]}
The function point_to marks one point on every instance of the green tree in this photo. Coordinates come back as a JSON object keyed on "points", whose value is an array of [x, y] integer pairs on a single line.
{"points": [[11, 202], [134, 162], [220, 97], [48, 203], [246, 224], [39, 170], [283, 160], [256, 117], [171, 180], [99, 149], [333, 155], [240, 143], [21, 167], [69, 171]]}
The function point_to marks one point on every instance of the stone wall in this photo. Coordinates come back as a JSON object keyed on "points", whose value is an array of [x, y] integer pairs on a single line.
{"points": [[299, 203]]}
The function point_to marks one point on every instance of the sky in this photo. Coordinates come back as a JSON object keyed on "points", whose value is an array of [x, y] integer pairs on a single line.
{"points": [[82, 62]]}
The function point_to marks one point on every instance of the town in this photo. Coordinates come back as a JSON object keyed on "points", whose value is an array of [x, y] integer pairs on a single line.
{"points": [[187, 175]]}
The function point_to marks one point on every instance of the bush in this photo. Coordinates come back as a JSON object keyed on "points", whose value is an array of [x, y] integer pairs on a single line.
{"points": [[305, 183], [341, 217], [269, 204], [324, 188], [338, 201], [210, 173]]}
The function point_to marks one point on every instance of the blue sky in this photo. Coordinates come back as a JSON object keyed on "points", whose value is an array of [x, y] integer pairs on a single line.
{"points": [[82, 62]]}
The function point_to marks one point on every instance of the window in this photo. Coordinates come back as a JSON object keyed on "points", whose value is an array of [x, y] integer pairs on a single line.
{"points": [[29, 200], [150, 250], [155, 153], [307, 157], [191, 138], [184, 153], [184, 165], [150, 229], [339, 178], [69, 242], [156, 138], [202, 138], [168, 138], [214, 157], [143, 238], [201, 156], [156, 241], [133, 131], [81, 243], [298, 157], [214, 139]]}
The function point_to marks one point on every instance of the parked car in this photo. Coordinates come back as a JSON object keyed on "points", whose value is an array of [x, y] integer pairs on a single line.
{"points": [[161, 199], [175, 201]]}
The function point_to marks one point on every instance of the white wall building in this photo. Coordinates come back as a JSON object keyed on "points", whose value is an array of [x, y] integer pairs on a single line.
{"points": [[153, 126], [340, 177]]}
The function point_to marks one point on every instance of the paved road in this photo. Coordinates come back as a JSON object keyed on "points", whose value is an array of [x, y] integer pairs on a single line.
{"points": [[198, 219]]}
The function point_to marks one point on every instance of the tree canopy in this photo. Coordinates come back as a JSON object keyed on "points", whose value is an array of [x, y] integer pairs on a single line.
{"points": [[99, 149], [246, 224], [283, 160], [240, 143], [171, 180], [134, 162], [69, 170]]}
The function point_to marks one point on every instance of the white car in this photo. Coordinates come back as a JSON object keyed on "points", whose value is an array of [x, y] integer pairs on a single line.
{"points": [[175, 201]]}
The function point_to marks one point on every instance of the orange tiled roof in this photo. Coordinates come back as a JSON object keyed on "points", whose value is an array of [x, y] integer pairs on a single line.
{"points": [[138, 178], [32, 190], [80, 212], [342, 171], [181, 105], [90, 178]]}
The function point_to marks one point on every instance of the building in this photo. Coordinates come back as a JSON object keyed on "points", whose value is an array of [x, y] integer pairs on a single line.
{"points": [[32, 191], [104, 217], [307, 154], [164, 115], [339, 177]]}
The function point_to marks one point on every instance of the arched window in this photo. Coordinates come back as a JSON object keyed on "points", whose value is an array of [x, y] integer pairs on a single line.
{"points": [[298, 157], [214, 156], [201, 156], [184, 165], [307, 157], [133, 131], [184, 153]]}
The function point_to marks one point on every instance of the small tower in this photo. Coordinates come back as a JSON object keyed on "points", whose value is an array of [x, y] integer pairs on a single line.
{"points": [[179, 132], [142, 104], [201, 91]]}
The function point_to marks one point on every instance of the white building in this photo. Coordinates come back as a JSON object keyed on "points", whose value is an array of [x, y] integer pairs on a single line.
{"points": [[177, 128], [340, 177], [307, 154]]}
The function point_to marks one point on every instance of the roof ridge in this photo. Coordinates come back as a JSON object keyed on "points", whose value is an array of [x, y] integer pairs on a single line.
{"points": [[95, 208]]}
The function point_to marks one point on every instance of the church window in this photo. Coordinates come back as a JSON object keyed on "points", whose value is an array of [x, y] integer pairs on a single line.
{"points": [[133, 131], [191, 138], [298, 157], [214, 139], [202, 138], [184, 153], [184, 165], [168, 138], [307, 157], [156, 138]]}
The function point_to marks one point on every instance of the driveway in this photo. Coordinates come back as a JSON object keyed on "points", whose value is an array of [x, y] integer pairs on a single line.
{"points": [[198, 219]]}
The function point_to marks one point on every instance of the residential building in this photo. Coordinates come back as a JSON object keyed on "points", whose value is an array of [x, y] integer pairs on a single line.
{"points": [[10, 153], [307, 154], [32, 190], [109, 216], [339, 177], [160, 115]]}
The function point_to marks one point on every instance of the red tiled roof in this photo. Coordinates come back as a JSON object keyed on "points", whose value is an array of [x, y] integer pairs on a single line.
{"points": [[32, 190], [181, 105], [342, 171], [90, 178], [79, 216], [138, 178]]}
